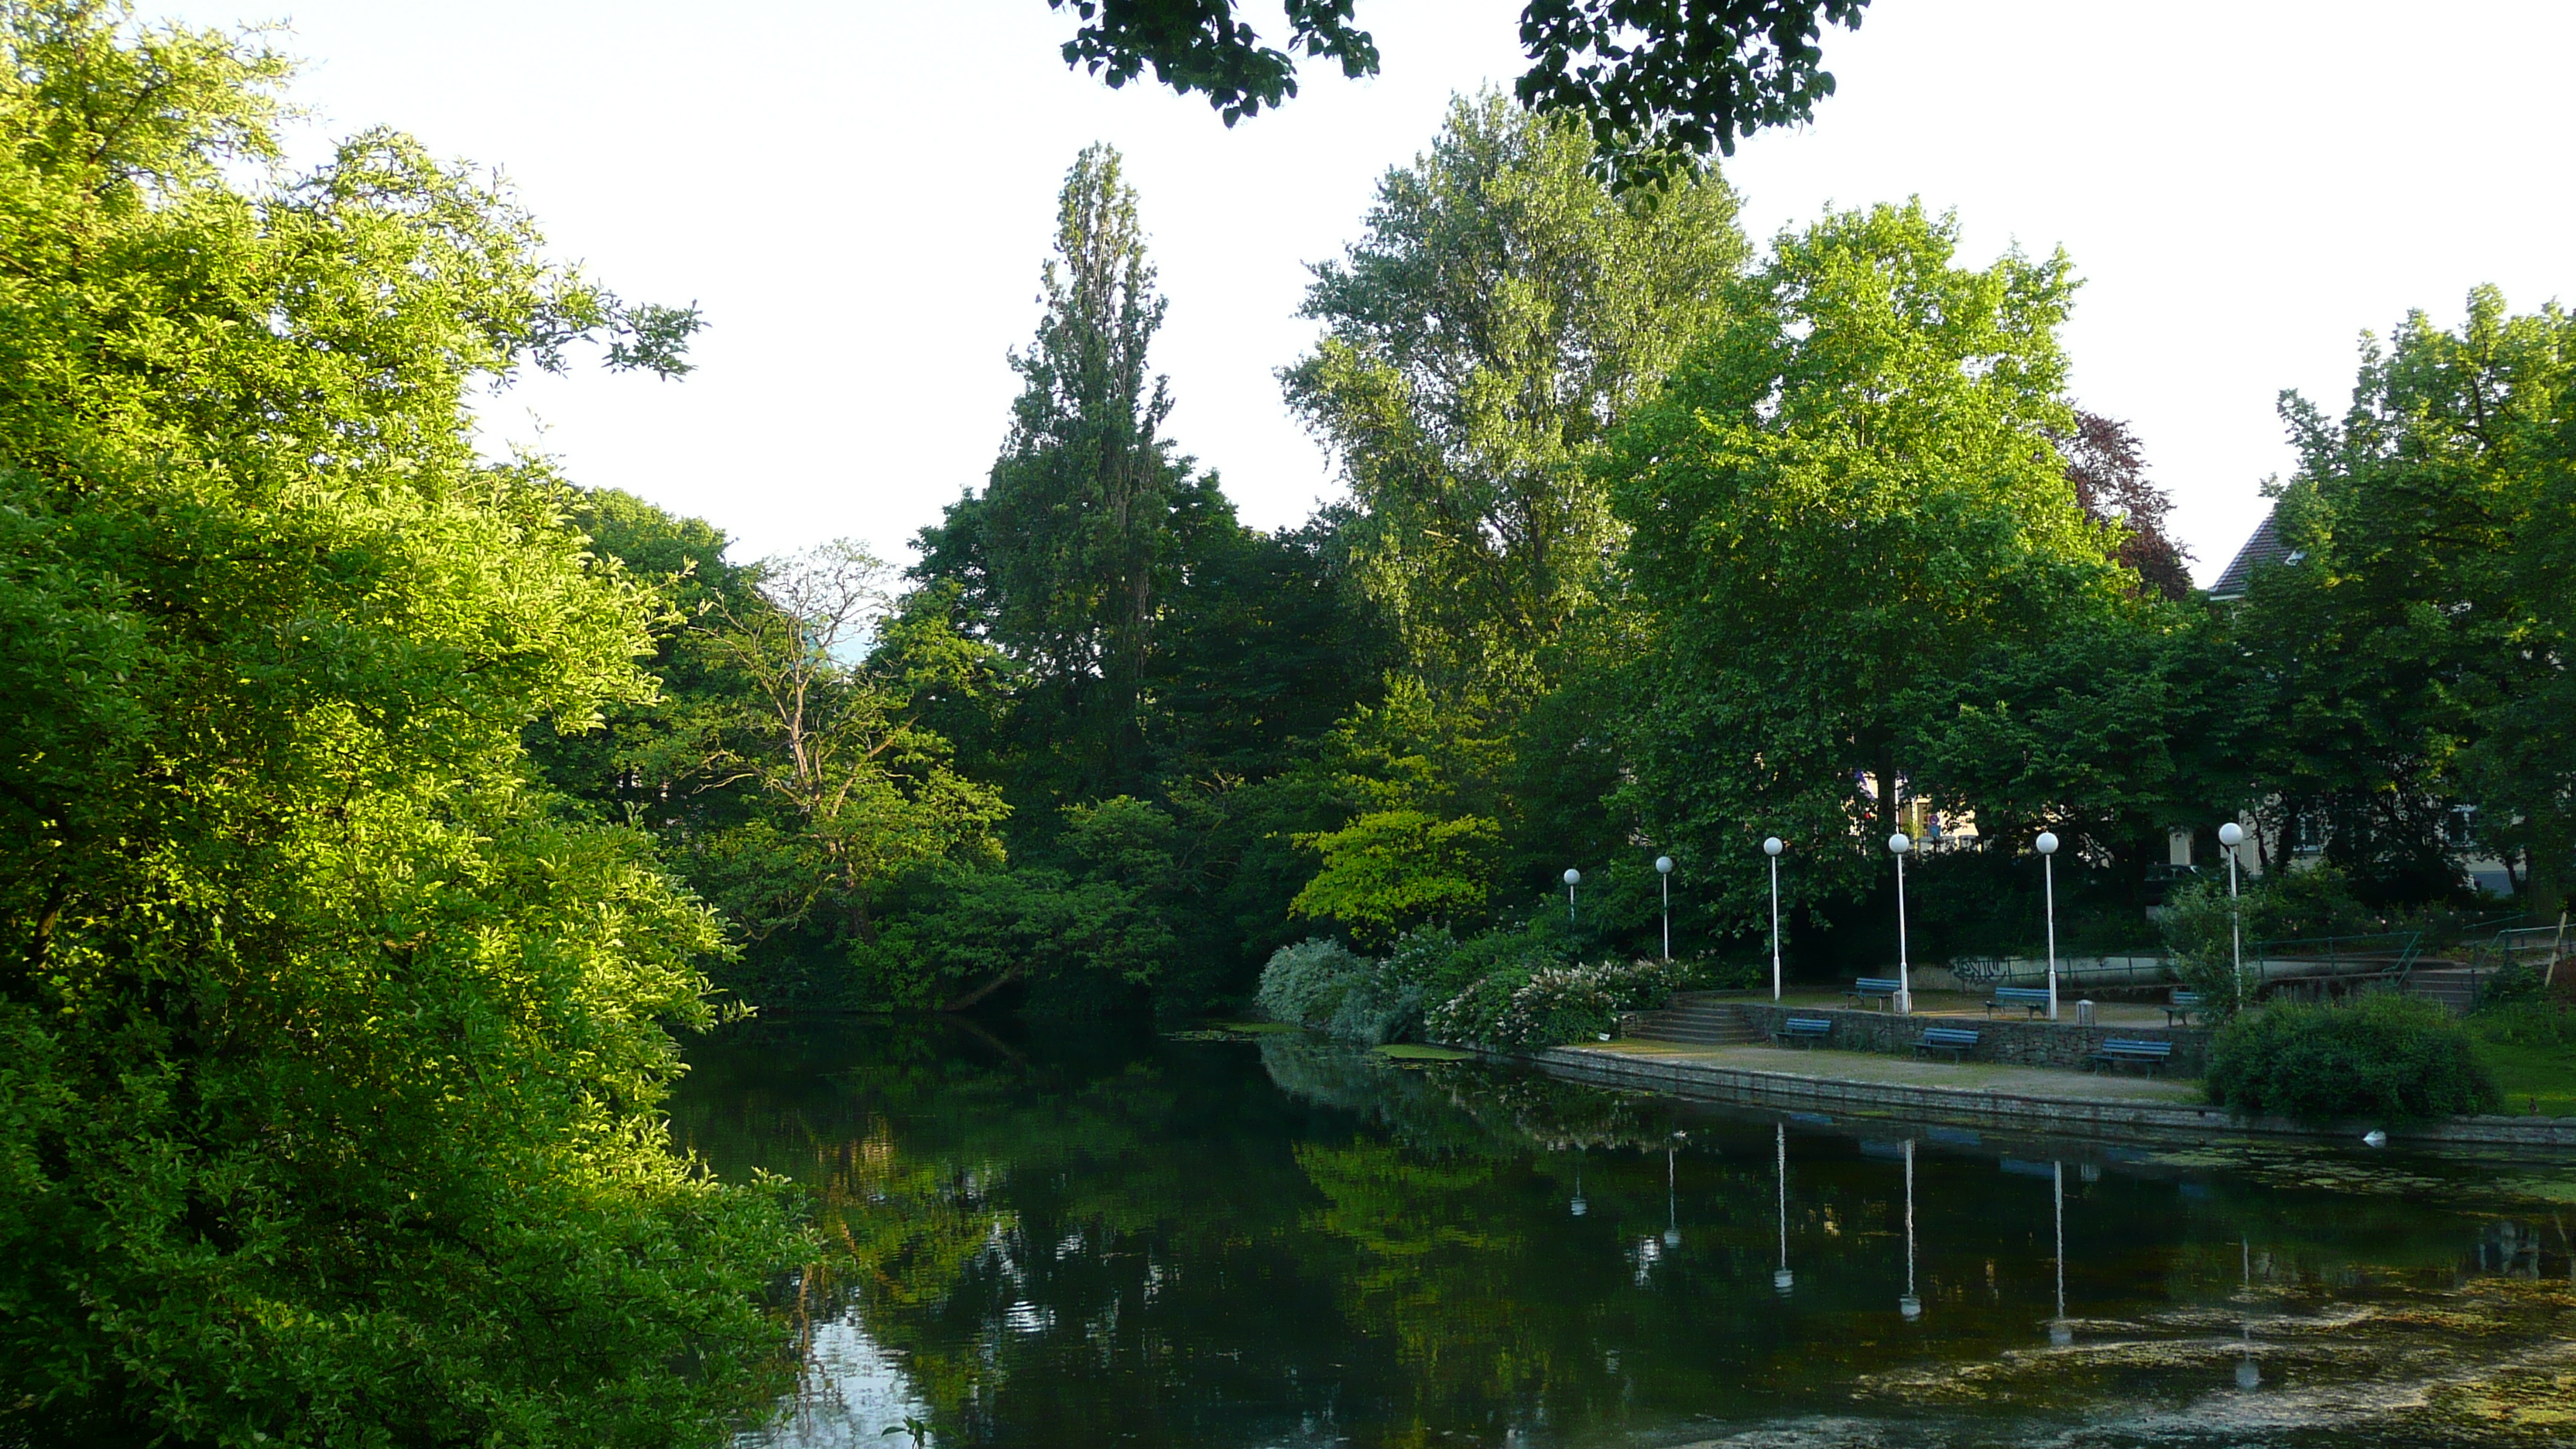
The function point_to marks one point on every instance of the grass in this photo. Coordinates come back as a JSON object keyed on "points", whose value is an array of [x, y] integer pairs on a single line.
{"points": [[2531, 1048], [2538, 1078]]}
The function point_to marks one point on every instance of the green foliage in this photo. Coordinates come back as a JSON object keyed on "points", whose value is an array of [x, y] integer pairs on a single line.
{"points": [[1304, 984], [1391, 869], [333, 1053], [2384, 1056], [2518, 1020], [1849, 492], [1662, 84], [1503, 311], [2512, 984], [2413, 639], [2203, 925], [1064, 560], [1518, 1008]]}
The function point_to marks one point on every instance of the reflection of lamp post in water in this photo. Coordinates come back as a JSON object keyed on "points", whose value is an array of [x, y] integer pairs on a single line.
{"points": [[1909, 1305], [1578, 1207], [1672, 1205], [1781, 1280], [2058, 1333], [2248, 1376]]}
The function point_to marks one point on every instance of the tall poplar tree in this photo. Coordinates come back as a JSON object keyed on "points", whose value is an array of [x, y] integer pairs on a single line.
{"points": [[1060, 558]]}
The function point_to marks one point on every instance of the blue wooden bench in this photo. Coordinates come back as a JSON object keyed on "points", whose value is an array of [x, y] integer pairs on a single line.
{"points": [[1874, 988], [2119, 1051], [1957, 1041], [2179, 1012], [1804, 1030], [2034, 998]]}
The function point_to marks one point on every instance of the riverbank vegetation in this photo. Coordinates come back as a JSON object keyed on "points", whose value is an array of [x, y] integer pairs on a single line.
{"points": [[1655, 542], [334, 1049], [376, 811]]}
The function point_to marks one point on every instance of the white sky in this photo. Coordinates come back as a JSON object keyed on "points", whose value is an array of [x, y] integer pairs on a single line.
{"points": [[859, 195]]}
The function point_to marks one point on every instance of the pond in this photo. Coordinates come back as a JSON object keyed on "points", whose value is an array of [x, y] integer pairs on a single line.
{"points": [[1073, 1236]]}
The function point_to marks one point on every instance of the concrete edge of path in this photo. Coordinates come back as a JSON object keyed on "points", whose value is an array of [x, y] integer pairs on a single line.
{"points": [[2104, 1116]]}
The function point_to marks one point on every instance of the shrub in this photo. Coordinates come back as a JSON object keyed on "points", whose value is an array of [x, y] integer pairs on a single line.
{"points": [[1304, 984], [1319, 984], [2384, 1056], [1377, 1009], [2280, 906], [2510, 985], [1442, 965], [1517, 1008]]}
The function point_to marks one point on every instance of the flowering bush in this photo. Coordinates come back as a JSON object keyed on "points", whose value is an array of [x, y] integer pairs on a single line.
{"points": [[1517, 1008], [1304, 984]]}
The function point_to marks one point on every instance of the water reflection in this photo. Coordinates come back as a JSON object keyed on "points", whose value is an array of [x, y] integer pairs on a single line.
{"points": [[1214, 1243]]}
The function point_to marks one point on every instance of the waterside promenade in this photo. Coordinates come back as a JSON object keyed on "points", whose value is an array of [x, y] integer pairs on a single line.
{"points": [[2043, 1099]]}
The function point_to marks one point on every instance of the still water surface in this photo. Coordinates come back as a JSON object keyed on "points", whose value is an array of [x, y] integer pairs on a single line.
{"points": [[1078, 1237]]}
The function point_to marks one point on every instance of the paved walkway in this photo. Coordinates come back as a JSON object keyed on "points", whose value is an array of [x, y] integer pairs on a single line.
{"points": [[1973, 1004], [1872, 1067]]}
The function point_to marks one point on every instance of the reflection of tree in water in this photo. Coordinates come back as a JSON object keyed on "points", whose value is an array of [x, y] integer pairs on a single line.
{"points": [[1463, 1107], [1201, 1244]]}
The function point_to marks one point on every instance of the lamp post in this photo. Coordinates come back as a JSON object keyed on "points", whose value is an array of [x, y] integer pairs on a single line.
{"points": [[1897, 845], [2047, 847], [1772, 847], [2232, 835], [1664, 868], [1573, 878]]}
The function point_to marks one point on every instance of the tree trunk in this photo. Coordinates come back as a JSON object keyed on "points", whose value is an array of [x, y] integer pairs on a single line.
{"points": [[979, 993]]}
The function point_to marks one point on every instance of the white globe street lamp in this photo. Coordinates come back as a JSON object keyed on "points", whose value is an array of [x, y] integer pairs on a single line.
{"points": [[2047, 847], [1573, 878], [1771, 846], [2232, 835], [1664, 868], [1898, 845]]}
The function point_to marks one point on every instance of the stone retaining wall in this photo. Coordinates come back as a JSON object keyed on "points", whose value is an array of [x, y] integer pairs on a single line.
{"points": [[1707, 1081], [2010, 1040]]}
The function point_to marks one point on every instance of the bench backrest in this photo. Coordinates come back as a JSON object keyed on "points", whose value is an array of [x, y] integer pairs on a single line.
{"points": [[1874, 985], [2021, 993], [2186, 998], [1808, 1026], [1950, 1036], [2120, 1047]]}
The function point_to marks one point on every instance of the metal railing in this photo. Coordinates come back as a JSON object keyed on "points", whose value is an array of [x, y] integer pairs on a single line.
{"points": [[2322, 960]]}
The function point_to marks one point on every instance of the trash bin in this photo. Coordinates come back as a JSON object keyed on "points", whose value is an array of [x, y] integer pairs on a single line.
{"points": [[2084, 1013]]}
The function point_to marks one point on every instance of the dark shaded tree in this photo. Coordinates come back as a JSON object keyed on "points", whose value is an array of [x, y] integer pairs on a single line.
{"points": [[2109, 471]]}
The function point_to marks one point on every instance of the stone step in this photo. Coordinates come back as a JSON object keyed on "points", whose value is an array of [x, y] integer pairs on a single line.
{"points": [[2454, 988], [1696, 1023]]}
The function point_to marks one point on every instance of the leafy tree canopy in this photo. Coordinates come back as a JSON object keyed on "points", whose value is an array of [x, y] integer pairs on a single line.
{"points": [[1847, 493], [1654, 81], [332, 1053]]}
